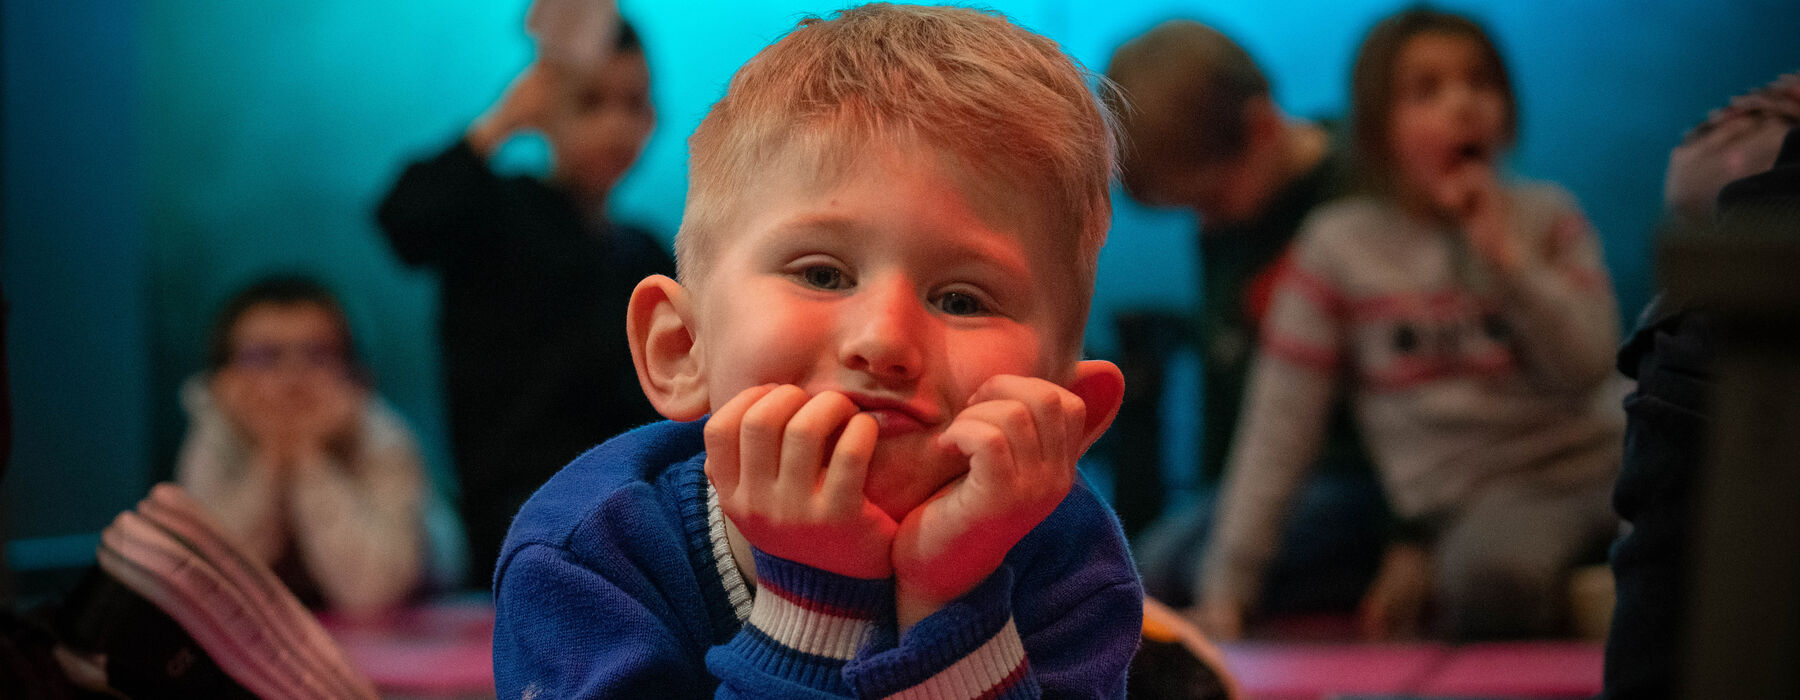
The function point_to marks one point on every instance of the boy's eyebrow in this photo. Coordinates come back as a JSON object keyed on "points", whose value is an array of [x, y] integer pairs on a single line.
{"points": [[1003, 259], [823, 223]]}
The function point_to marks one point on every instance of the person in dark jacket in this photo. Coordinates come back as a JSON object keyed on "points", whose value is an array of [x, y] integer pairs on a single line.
{"points": [[1737, 172], [533, 280]]}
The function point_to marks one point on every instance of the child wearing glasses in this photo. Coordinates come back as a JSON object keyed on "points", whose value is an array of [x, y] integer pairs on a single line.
{"points": [[307, 468]]}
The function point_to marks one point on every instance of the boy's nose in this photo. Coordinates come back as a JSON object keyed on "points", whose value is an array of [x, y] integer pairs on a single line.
{"points": [[1464, 99], [882, 335]]}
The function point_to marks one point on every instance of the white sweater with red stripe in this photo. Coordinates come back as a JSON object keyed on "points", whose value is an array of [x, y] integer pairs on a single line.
{"points": [[1458, 373]]}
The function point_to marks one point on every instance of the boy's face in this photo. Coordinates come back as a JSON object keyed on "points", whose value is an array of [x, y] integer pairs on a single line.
{"points": [[1222, 190], [1449, 111], [284, 351], [602, 120], [904, 284]]}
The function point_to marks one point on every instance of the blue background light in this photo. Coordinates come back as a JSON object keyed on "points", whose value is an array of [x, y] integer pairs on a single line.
{"points": [[159, 155]]}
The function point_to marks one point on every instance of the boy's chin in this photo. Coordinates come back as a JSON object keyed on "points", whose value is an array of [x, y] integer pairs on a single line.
{"points": [[900, 480]]}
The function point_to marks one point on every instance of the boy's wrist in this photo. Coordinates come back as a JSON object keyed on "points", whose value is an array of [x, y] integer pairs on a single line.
{"points": [[915, 600], [924, 584], [912, 606], [815, 611], [967, 644]]}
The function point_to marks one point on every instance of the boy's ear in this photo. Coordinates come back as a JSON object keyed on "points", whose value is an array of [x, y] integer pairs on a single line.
{"points": [[659, 325], [1101, 386]]}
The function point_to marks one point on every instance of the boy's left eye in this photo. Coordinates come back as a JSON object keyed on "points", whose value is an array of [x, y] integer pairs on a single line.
{"points": [[825, 277], [961, 304]]}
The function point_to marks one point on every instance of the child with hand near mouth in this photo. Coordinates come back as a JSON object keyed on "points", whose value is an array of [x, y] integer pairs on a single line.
{"points": [[872, 365], [1471, 320]]}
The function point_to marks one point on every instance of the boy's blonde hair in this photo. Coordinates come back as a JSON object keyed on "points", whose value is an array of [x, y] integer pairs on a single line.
{"points": [[983, 91]]}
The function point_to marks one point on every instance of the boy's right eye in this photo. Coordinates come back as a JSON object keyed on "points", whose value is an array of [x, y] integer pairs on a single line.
{"points": [[824, 277]]}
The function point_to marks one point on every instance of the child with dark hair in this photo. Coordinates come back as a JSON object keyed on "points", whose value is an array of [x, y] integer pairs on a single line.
{"points": [[532, 275], [1471, 319], [1203, 132], [309, 472]]}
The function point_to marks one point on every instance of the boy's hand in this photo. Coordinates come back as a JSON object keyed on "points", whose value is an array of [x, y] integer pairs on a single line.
{"points": [[328, 416], [283, 427], [1022, 437], [1394, 606], [1474, 199], [256, 413], [789, 470], [525, 105]]}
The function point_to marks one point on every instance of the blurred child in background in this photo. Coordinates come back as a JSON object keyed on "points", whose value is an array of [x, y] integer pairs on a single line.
{"points": [[533, 277], [1472, 321], [306, 469], [1203, 132]]}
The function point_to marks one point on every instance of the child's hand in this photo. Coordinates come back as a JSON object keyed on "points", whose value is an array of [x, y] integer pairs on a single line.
{"points": [[327, 416], [525, 105], [1394, 606], [1474, 199], [255, 412], [1022, 437], [789, 470]]}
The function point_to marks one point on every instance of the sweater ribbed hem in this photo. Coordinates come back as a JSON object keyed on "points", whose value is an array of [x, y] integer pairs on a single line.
{"points": [[995, 670], [816, 612], [737, 591], [692, 490], [968, 649], [806, 623]]}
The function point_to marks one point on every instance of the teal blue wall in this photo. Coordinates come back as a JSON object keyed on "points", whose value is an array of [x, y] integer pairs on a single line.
{"points": [[159, 155], [75, 243]]}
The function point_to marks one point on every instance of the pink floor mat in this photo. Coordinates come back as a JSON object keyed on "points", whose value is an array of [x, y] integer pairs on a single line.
{"points": [[437, 650], [1314, 671]]}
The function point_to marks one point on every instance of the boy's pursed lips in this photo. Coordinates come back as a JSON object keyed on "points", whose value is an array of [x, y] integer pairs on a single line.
{"points": [[894, 416]]}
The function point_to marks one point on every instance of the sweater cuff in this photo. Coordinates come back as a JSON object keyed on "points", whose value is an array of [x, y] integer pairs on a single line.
{"points": [[968, 649], [806, 622]]}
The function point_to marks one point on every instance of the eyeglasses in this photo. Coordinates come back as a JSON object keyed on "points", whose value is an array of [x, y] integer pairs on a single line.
{"points": [[268, 356]]}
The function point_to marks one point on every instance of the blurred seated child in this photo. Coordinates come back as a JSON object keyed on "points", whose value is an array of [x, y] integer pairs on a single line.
{"points": [[286, 445], [1204, 133], [533, 276], [1471, 321], [886, 262]]}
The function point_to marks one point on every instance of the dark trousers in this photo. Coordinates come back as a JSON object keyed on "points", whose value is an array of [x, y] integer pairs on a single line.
{"points": [[1666, 430]]}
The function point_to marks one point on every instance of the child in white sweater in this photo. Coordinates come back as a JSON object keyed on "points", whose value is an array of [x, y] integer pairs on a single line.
{"points": [[309, 471], [1473, 324]]}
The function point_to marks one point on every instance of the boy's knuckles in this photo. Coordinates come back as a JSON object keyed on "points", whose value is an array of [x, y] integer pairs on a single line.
{"points": [[760, 430], [1073, 407], [778, 404], [986, 438], [1014, 416], [805, 434], [719, 431]]}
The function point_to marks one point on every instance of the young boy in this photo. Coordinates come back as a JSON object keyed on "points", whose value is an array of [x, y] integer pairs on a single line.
{"points": [[532, 279], [886, 261]]}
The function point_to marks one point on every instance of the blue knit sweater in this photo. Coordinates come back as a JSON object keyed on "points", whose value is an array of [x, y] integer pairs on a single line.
{"points": [[613, 583]]}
